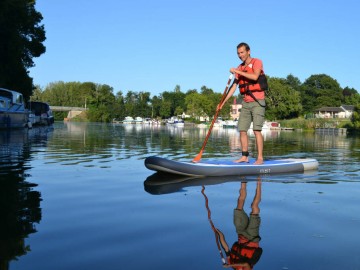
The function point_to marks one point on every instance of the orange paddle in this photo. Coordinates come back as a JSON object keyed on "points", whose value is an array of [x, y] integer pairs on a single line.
{"points": [[198, 157]]}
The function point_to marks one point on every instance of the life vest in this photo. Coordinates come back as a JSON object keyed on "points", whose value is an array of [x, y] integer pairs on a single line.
{"points": [[241, 253], [247, 84]]}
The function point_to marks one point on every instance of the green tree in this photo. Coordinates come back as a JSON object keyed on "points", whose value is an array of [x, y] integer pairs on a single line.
{"points": [[155, 106], [165, 109], [54, 93], [294, 82], [119, 106], [130, 103], [282, 101], [70, 94], [102, 109], [193, 104], [319, 91], [177, 89], [143, 107], [209, 101], [355, 118], [175, 99], [178, 111], [37, 94], [21, 39], [100, 114], [206, 91], [98, 98], [351, 96], [103, 94]]}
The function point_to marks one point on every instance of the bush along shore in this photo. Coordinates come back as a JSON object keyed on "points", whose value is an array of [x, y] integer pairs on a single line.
{"points": [[316, 123]]}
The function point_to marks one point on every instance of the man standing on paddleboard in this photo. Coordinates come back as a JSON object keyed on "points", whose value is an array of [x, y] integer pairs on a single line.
{"points": [[250, 78]]}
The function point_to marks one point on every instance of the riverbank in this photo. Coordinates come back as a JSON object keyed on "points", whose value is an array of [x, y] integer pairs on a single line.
{"points": [[298, 123], [315, 123]]}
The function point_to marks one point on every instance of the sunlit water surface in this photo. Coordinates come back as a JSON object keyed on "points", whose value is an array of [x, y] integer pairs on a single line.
{"points": [[78, 196]]}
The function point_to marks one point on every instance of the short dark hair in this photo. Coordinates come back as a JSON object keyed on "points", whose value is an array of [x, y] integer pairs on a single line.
{"points": [[247, 47]]}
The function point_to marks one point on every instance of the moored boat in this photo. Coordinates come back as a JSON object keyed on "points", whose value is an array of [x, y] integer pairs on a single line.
{"points": [[176, 122], [12, 110], [138, 120], [230, 124], [147, 121], [40, 113], [219, 123], [128, 120], [269, 125]]}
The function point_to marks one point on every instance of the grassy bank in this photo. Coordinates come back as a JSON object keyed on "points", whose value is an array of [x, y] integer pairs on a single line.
{"points": [[310, 124]]}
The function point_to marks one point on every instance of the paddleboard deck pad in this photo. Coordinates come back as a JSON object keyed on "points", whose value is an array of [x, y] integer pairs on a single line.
{"points": [[229, 167]]}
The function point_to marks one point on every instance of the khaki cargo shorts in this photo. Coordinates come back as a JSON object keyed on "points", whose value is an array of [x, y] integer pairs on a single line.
{"points": [[252, 112], [247, 227]]}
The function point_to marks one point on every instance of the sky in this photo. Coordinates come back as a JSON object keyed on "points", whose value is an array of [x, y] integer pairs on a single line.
{"points": [[154, 45]]}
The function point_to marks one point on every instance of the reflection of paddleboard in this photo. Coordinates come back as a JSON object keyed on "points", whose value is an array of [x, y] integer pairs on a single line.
{"points": [[229, 167], [163, 183]]}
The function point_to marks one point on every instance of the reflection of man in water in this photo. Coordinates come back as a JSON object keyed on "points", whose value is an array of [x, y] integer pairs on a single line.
{"points": [[245, 252]]}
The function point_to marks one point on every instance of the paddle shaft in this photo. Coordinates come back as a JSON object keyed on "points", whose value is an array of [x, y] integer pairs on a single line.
{"points": [[226, 91], [213, 226]]}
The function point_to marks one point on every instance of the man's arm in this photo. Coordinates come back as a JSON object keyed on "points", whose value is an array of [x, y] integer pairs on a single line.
{"points": [[252, 76], [223, 243], [229, 95]]}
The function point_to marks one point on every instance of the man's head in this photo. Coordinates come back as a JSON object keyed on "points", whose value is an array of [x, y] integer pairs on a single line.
{"points": [[243, 44], [243, 51]]}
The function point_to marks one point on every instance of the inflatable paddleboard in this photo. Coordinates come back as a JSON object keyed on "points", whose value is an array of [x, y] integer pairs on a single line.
{"points": [[229, 167]]}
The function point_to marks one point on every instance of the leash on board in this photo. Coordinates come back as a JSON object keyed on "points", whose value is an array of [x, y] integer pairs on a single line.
{"points": [[213, 227]]}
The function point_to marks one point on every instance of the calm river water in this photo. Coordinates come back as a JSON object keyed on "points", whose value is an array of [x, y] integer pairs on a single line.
{"points": [[78, 196]]}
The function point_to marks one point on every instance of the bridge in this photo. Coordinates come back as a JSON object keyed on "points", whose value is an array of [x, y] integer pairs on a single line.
{"points": [[72, 111]]}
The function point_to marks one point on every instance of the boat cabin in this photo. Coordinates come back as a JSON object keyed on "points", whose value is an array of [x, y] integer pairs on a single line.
{"points": [[11, 100], [12, 110]]}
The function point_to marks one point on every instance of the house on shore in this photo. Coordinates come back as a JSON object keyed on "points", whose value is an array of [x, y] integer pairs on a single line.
{"points": [[235, 109], [344, 111]]}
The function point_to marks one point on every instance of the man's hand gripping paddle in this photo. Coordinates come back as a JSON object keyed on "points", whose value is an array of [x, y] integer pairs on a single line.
{"points": [[226, 91]]}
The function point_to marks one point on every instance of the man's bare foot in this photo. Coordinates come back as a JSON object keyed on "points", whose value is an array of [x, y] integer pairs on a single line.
{"points": [[242, 159], [259, 161]]}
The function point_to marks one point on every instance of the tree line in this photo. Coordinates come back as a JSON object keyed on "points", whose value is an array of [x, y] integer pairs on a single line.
{"points": [[286, 98]]}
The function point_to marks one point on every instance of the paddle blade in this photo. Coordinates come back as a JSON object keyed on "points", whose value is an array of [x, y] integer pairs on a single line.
{"points": [[198, 157]]}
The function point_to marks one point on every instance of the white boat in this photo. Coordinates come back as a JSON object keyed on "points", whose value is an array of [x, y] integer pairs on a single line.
{"points": [[12, 110], [219, 123], [138, 120], [128, 120], [174, 121], [202, 125], [147, 121], [269, 125], [179, 123], [155, 122], [230, 124], [40, 113]]}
